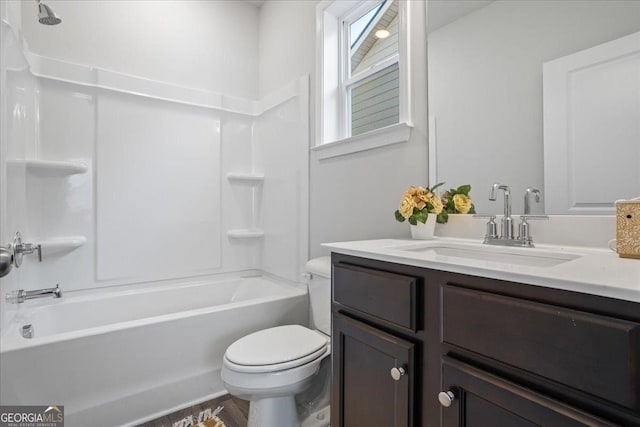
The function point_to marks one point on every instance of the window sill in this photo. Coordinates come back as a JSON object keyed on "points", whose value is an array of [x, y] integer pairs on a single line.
{"points": [[376, 138]]}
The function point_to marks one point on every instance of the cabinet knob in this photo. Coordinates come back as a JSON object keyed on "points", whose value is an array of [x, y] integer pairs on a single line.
{"points": [[397, 373], [446, 398]]}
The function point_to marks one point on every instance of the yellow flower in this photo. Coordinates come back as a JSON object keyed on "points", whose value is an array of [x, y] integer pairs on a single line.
{"points": [[406, 205], [414, 191], [436, 203], [424, 195], [462, 203]]}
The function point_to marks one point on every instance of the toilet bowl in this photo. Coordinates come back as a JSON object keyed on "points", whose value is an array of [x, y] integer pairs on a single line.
{"points": [[270, 367]]}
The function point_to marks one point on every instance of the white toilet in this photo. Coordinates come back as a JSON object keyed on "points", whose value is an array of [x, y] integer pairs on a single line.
{"points": [[271, 366]]}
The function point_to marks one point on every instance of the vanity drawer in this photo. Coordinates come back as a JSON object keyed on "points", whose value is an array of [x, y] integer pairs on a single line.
{"points": [[387, 296], [595, 354]]}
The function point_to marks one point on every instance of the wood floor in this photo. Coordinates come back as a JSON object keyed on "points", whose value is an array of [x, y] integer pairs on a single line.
{"points": [[234, 414]]}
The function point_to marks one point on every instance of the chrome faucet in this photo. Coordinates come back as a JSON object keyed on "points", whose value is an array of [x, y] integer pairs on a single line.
{"points": [[20, 249], [507, 239], [20, 296], [12, 254], [507, 221], [527, 198], [524, 235]]}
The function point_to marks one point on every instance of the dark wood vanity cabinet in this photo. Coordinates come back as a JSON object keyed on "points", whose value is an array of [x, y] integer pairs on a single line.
{"points": [[369, 395], [374, 325], [473, 351]]}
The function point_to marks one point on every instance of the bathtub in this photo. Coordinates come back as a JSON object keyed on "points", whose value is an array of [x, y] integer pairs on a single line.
{"points": [[123, 357]]}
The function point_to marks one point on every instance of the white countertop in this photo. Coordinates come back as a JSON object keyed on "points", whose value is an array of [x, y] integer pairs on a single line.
{"points": [[594, 271]]}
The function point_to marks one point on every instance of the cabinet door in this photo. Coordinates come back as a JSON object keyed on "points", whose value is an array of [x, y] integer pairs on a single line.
{"points": [[481, 399], [364, 392]]}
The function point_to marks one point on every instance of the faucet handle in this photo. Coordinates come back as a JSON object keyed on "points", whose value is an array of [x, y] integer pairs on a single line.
{"points": [[20, 249], [492, 227], [524, 234]]}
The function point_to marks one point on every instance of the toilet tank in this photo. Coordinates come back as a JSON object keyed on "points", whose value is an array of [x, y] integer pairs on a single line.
{"points": [[319, 281]]}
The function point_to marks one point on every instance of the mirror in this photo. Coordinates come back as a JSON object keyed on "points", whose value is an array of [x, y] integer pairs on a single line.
{"points": [[485, 70]]}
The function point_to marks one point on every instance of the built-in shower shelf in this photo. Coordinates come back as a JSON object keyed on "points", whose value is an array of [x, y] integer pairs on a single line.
{"points": [[61, 245], [245, 234], [52, 167], [246, 178]]}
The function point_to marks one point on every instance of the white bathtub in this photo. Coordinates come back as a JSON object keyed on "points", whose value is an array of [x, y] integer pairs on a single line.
{"points": [[123, 357]]}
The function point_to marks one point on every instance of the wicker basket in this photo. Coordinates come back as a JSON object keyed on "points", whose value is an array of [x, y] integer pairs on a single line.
{"points": [[628, 228]]}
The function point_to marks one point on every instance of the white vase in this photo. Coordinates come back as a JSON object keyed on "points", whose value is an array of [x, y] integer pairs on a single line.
{"points": [[424, 231]]}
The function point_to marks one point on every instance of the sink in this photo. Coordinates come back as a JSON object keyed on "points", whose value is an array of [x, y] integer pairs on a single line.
{"points": [[457, 252]]}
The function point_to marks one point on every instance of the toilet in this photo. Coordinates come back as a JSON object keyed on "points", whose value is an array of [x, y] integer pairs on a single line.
{"points": [[270, 367]]}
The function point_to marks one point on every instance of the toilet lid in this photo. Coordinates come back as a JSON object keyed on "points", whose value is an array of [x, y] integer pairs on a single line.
{"points": [[273, 347]]}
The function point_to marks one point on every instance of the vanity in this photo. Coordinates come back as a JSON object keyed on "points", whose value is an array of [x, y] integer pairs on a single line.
{"points": [[450, 332]]}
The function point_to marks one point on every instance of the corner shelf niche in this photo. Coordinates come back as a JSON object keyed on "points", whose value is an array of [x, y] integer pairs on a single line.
{"points": [[51, 167], [246, 178], [253, 180]]}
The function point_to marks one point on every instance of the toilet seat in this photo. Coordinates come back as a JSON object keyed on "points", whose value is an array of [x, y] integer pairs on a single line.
{"points": [[276, 349]]}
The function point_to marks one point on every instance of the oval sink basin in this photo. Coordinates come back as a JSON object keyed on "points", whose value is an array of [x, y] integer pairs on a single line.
{"points": [[531, 257]]}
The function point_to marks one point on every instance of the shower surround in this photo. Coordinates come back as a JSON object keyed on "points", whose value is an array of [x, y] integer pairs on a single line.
{"points": [[132, 184]]}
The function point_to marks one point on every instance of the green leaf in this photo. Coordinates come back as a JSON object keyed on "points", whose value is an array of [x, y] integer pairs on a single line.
{"points": [[421, 216], [472, 210], [399, 216], [464, 189], [436, 186], [412, 220], [442, 217]]}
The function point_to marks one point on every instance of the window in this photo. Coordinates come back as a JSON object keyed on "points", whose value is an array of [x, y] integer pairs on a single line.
{"points": [[370, 54], [363, 74]]}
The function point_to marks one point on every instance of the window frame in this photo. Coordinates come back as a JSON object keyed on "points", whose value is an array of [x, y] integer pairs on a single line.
{"points": [[333, 115]]}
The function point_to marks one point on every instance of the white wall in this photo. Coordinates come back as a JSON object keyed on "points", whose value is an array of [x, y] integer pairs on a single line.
{"points": [[210, 45], [352, 196], [286, 43], [485, 86], [121, 147]]}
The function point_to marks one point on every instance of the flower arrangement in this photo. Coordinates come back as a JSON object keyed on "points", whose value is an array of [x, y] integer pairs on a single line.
{"points": [[418, 202], [457, 201]]}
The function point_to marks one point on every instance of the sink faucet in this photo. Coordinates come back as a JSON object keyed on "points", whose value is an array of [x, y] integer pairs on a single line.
{"points": [[524, 235], [507, 238], [507, 221], [20, 296], [527, 198]]}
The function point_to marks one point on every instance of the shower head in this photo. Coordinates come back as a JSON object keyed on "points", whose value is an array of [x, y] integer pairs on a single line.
{"points": [[46, 15]]}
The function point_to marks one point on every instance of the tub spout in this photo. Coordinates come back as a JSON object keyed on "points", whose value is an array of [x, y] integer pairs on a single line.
{"points": [[20, 296]]}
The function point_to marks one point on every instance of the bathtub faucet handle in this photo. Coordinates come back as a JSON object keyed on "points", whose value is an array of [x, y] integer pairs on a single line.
{"points": [[20, 249]]}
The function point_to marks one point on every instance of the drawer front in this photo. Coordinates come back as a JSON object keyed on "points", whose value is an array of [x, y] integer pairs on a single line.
{"points": [[386, 296], [483, 399], [592, 353]]}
